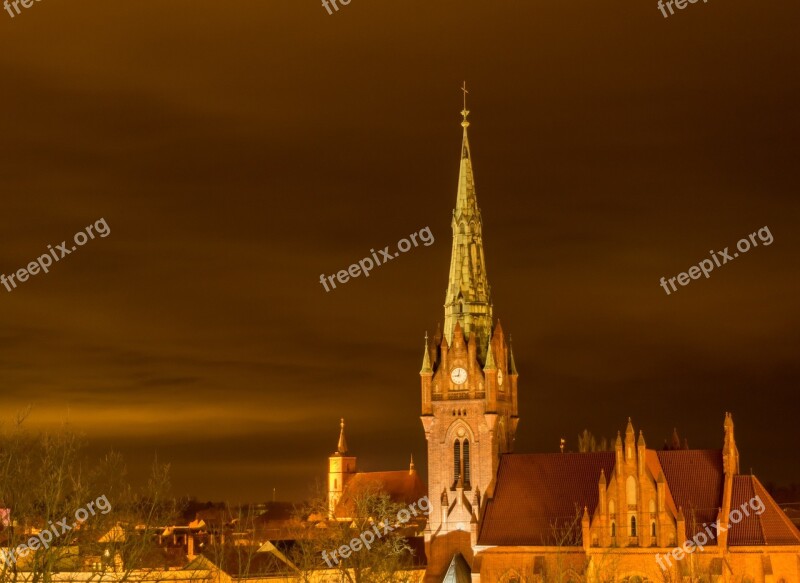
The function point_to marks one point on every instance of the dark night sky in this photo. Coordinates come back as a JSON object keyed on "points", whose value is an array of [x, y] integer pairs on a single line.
{"points": [[238, 150]]}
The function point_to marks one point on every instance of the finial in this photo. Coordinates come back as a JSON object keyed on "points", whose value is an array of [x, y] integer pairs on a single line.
{"points": [[465, 111]]}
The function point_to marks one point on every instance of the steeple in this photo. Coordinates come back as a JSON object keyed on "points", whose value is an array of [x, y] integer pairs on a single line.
{"points": [[341, 448], [341, 468], [426, 357], [468, 380], [468, 299]]}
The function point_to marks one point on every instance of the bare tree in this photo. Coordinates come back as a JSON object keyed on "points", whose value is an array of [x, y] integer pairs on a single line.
{"points": [[65, 512], [371, 536]]}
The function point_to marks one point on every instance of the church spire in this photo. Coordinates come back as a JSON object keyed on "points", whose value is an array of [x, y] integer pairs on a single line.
{"points": [[468, 298], [341, 448], [426, 357]]}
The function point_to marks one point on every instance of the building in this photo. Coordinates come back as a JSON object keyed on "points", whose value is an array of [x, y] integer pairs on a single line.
{"points": [[404, 487], [603, 516]]}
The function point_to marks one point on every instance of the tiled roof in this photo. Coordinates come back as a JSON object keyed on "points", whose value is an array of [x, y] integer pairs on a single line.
{"points": [[695, 477], [771, 527], [402, 486], [540, 498], [654, 467]]}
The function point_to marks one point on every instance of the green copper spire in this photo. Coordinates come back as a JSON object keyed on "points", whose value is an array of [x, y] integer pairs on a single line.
{"points": [[468, 298]]}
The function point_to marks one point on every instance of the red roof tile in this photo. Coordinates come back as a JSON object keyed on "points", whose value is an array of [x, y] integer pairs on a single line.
{"points": [[695, 477], [539, 498], [402, 486], [771, 527]]}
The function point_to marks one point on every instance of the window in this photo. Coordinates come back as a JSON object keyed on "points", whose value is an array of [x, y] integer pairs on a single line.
{"points": [[456, 463], [630, 490], [653, 528], [461, 465], [633, 526], [613, 528], [466, 463]]}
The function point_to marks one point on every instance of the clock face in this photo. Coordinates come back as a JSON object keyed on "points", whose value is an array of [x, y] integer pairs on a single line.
{"points": [[499, 377], [458, 376]]}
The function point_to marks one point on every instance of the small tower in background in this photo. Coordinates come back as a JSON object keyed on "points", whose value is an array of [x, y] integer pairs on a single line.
{"points": [[341, 468]]}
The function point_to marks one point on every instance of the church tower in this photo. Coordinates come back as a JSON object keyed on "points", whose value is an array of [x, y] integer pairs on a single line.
{"points": [[468, 377], [341, 468]]}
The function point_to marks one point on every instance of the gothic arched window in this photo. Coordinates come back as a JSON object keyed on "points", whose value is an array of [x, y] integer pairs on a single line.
{"points": [[633, 526], [456, 463], [461, 465], [465, 449], [613, 528], [630, 490], [653, 528]]}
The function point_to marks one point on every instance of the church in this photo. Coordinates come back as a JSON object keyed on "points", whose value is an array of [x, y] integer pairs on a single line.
{"points": [[630, 515]]}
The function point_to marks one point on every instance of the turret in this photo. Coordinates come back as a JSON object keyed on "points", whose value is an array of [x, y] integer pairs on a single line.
{"points": [[630, 440], [730, 464], [586, 533], [730, 453], [340, 469], [619, 454], [661, 493], [426, 374], [602, 507], [641, 450], [490, 378]]}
